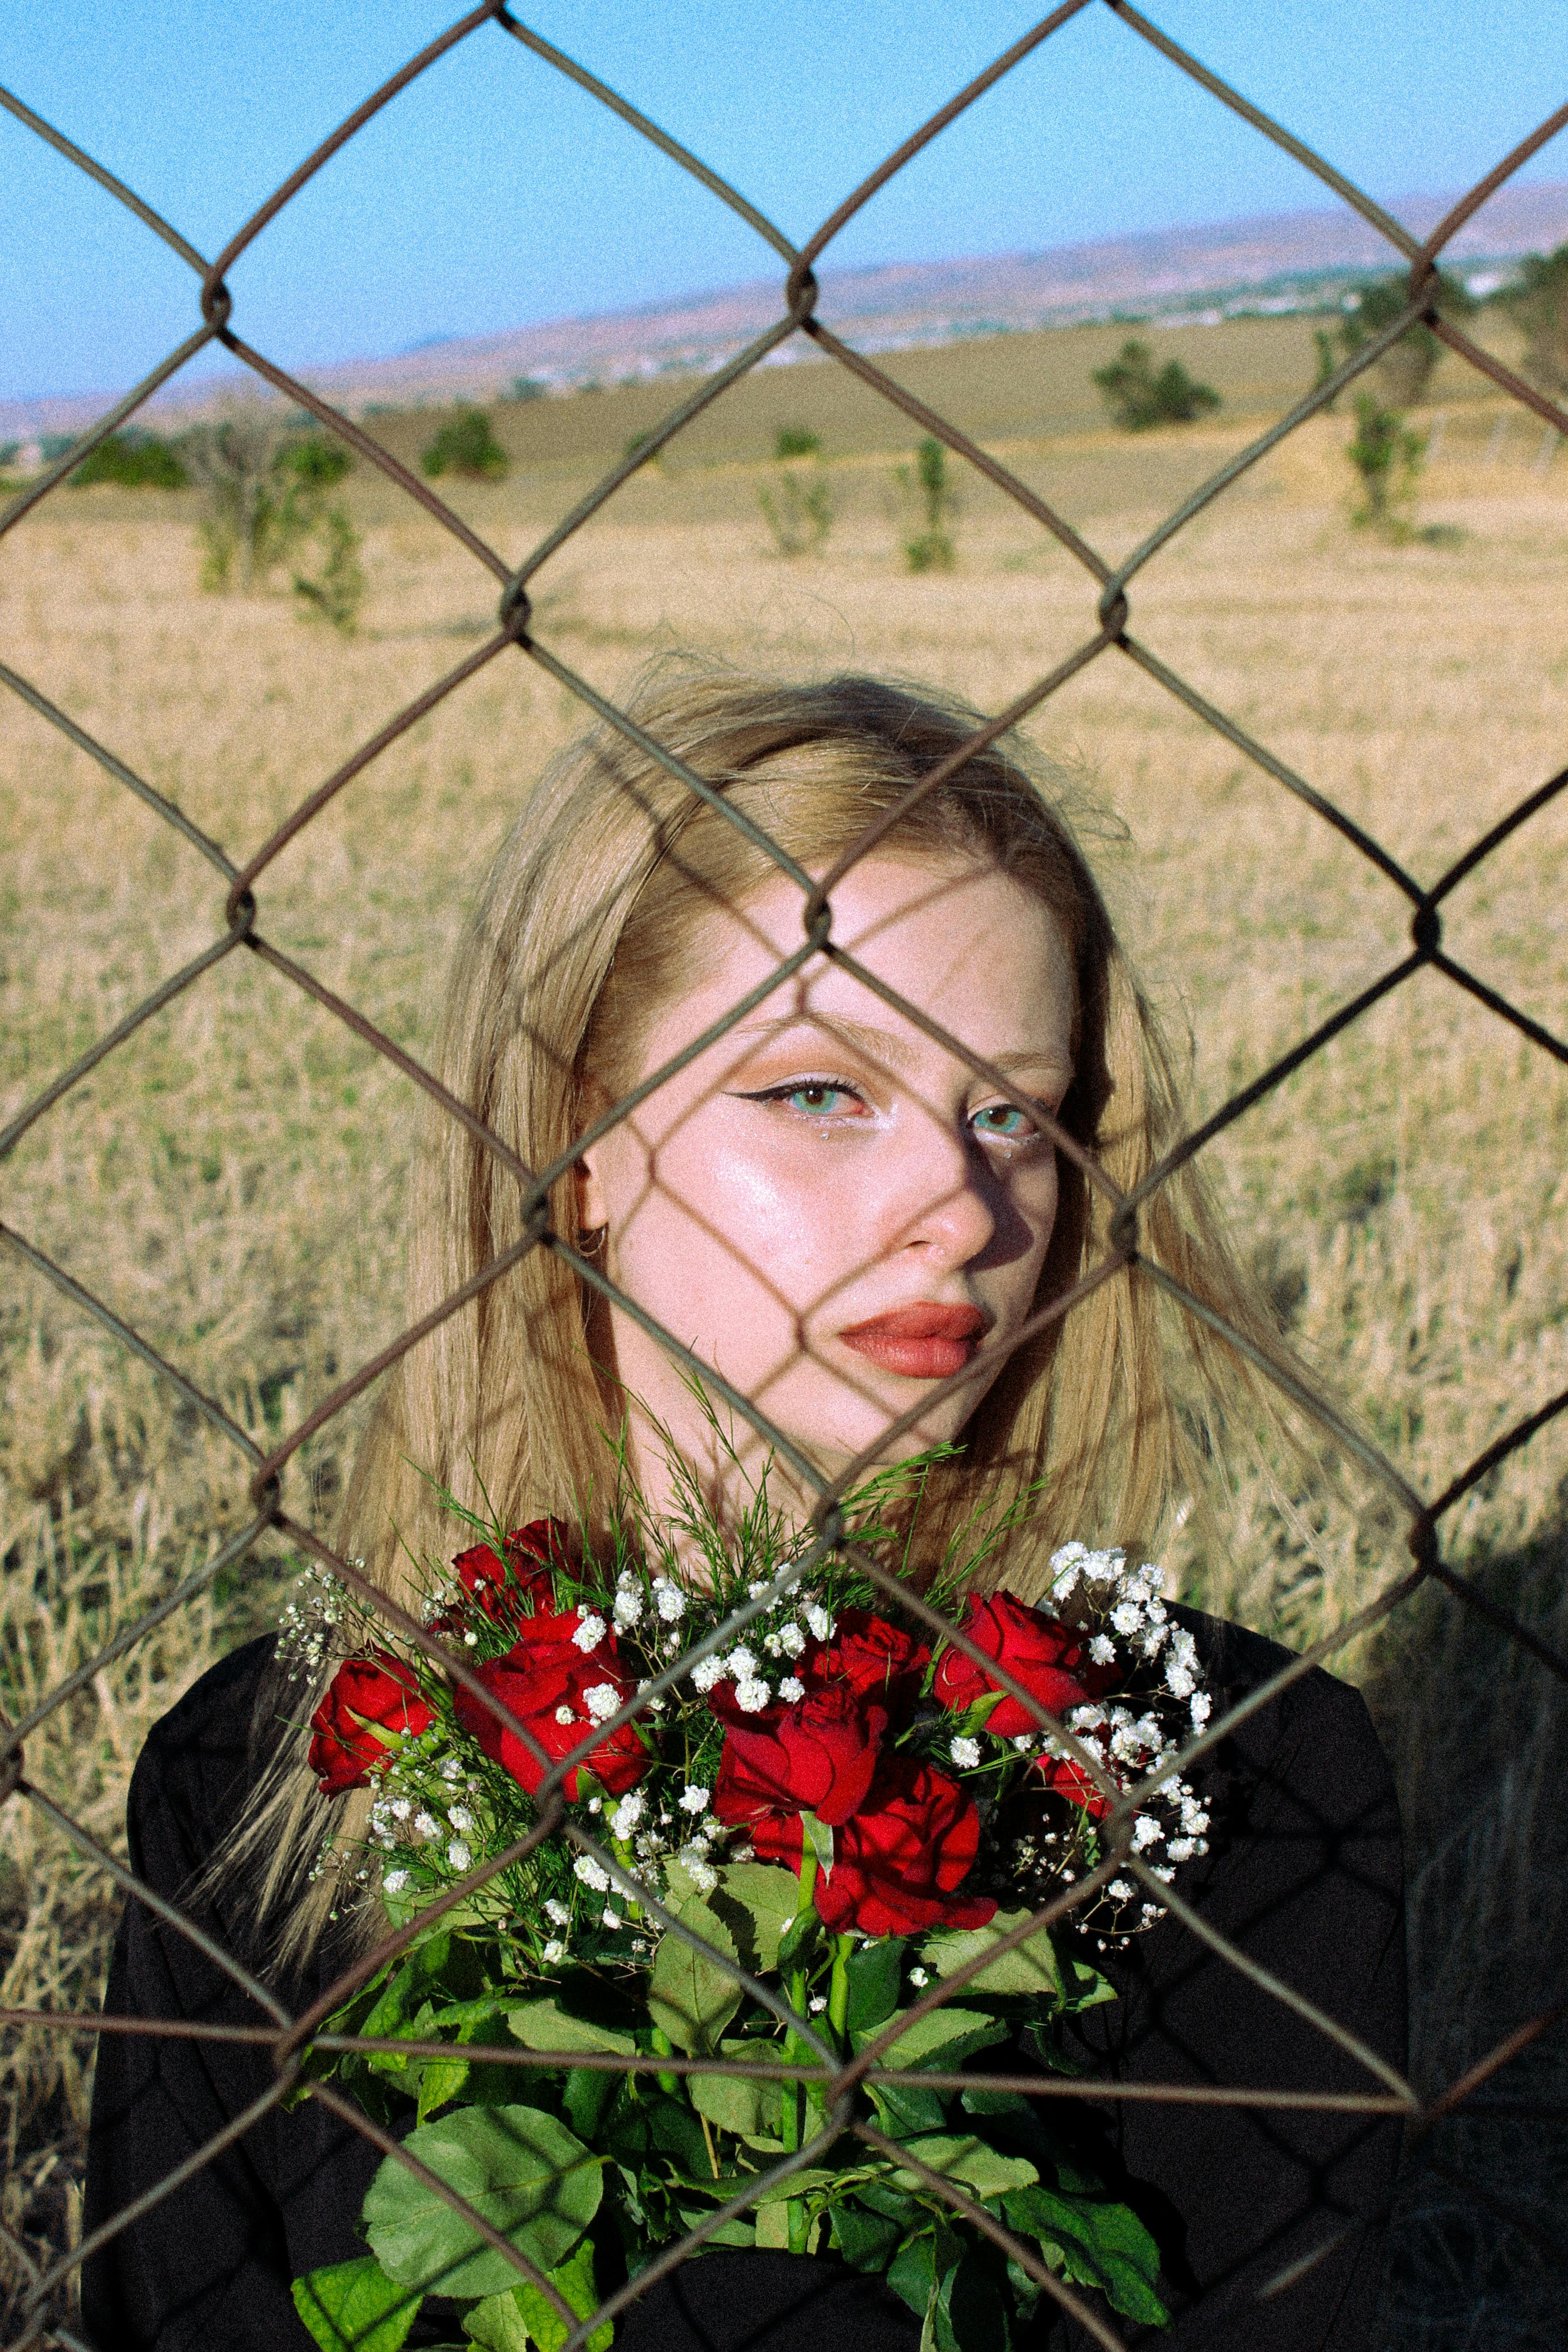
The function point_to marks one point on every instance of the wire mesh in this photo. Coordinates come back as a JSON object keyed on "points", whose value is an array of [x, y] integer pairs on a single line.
{"points": [[1107, 630]]}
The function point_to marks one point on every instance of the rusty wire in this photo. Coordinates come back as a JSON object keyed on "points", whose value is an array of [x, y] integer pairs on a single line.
{"points": [[238, 921]]}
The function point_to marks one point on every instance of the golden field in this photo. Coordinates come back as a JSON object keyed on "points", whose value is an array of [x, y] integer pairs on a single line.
{"points": [[231, 1181]]}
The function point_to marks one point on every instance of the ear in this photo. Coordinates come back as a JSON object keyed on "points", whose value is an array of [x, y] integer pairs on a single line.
{"points": [[591, 1209]]}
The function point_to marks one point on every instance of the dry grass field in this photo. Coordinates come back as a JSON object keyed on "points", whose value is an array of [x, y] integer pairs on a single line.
{"points": [[231, 1181]]}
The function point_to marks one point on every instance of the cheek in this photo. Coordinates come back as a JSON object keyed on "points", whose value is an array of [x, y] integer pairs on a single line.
{"points": [[703, 1221]]}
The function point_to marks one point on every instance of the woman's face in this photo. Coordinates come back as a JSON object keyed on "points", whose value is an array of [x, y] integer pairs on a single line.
{"points": [[827, 1206]]}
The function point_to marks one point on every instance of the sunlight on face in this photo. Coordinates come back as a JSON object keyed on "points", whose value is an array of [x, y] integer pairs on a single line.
{"points": [[826, 1206]]}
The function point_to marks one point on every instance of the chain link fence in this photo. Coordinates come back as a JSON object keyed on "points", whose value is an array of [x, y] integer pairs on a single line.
{"points": [[45, 2291]]}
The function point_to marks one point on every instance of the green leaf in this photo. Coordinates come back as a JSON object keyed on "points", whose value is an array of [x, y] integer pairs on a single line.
{"points": [[799, 1940], [545, 2025], [741, 2104], [439, 2083], [820, 1838], [866, 2240], [1032, 1967], [509, 2322], [355, 2307], [588, 2095], [911, 2274], [757, 1902], [1100, 2243], [972, 2162], [520, 2168], [970, 2309], [874, 1973], [689, 1995], [943, 2037]]}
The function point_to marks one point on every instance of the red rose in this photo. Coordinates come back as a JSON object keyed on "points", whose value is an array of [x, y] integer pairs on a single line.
{"points": [[870, 1657], [897, 1865], [1070, 1781], [546, 1680], [818, 1756], [1039, 1652], [365, 1698], [509, 1590]]}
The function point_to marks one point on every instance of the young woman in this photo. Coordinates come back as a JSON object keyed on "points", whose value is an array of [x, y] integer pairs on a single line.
{"points": [[841, 1203]]}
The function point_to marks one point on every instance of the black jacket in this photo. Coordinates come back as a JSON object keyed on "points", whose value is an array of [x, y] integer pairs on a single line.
{"points": [[1305, 1876]]}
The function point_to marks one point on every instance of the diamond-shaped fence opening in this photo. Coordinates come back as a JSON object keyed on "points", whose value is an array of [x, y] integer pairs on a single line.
{"points": [[264, 1433]]}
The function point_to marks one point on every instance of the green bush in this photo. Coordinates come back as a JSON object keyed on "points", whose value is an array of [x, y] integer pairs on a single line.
{"points": [[1539, 305], [526, 387], [1139, 398], [266, 507], [796, 441], [315, 461], [798, 510], [930, 548], [1386, 454], [467, 444], [135, 461]]}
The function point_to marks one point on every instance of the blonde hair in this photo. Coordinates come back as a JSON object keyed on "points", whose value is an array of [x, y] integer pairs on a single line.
{"points": [[586, 927]]}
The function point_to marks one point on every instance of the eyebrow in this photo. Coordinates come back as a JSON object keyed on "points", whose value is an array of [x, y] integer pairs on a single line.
{"points": [[882, 1045]]}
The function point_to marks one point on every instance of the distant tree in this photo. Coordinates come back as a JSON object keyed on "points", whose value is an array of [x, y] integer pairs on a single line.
{"points": [[1539, 304], [796, 441], [1405, 370], [930, 548], [266, 505], [134, 461], [526, 387], [1139, 398], [467, 444], [315, 461]]}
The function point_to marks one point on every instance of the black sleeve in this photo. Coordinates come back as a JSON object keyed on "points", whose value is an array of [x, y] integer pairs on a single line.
{"points": [[209, 2266], [1306, 1879]]}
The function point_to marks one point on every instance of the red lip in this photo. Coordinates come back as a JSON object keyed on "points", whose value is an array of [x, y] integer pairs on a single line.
{"points": [[924, 1342]]}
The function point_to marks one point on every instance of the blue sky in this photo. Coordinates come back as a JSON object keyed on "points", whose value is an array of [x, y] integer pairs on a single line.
{"points": [[494, 192]]}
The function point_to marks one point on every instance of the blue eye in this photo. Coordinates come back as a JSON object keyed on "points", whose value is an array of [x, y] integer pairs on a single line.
{"points": [[1003, 1120], [818, 1097]]}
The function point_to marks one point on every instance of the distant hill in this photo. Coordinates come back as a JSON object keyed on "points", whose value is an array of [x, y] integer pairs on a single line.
{"points": [[1274, 263]]}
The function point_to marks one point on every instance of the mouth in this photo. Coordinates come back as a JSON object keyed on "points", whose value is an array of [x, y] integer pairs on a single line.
{"points": [[925, 1342]]}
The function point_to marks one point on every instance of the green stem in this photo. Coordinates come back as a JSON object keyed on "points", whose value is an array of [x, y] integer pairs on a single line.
{"points": [[838, 1985]]}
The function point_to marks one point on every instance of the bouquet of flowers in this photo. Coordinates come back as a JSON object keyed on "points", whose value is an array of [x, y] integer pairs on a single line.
{"points": [[789, 1815]]}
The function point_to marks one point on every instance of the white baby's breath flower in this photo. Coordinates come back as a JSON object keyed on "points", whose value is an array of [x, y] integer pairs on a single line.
{"points": [[1145, 1832], [694, 1860], [1023, 1741], [461, 1818], [1127, 1617], [817, 2004], [1201, 1709], [820, 1622], [611, 1918], [752, 1696], [628, 1609], [792, 1690], [458, 1854], [1179, 1680], [1103, 1649], [626, 1816], [427, 1826], [554, 1952], [592, 1877], [1181, 1849], [558, 1914], [395, 1881], [400, 1809], [451, 1767], [707, 1672], [601, 1701], [1121, 1890], [790, 1639], [919, 1977], [564, 1714], [740, 1662], [668, 1600], [590, 1633], [694, 1800]]}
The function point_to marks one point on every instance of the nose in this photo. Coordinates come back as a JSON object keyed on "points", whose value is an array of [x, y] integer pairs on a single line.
{"points": [[942, 1200]]}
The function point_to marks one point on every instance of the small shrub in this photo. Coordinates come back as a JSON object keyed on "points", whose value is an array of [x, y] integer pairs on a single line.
{"points": [[1140, 398], [1386, 454], [334, 593], [135, 461], [1405, 370], [467, 444], [526, 387], [798, 510], [930, 548], [315, 462], [796, 441], [266, 507]]}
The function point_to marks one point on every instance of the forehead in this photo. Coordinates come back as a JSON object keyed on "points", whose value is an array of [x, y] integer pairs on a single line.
{"points": [[964, 942]]}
